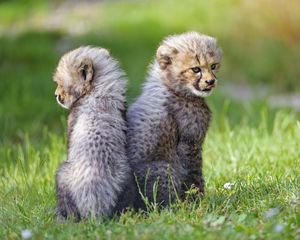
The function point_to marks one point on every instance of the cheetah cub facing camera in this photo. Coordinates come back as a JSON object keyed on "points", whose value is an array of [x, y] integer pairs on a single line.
{"points": [[95, 178], [168, 122]]}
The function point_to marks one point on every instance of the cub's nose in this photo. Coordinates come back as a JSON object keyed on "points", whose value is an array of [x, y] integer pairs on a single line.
{"points": [[210, 82]]}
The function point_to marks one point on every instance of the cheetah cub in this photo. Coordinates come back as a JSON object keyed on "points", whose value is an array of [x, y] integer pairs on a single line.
{"points": [[95, 179], [167, 124]]}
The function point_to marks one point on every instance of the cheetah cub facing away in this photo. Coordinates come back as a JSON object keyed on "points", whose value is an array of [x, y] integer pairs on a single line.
{"points": [[95, 179], [168, 122]]}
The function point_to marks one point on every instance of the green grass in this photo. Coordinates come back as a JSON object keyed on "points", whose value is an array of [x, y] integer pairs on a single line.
{"points": [[262, 163], [249, 144]]}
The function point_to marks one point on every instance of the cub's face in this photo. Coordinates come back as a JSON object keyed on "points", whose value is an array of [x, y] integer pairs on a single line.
{"points": [[73, 77], [191, 71]]}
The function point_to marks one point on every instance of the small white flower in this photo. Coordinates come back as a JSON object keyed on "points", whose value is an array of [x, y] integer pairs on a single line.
{"points": [[109, 233], [278, 227], [294, 201], [271, 212], [26, 234], [228, 185]]}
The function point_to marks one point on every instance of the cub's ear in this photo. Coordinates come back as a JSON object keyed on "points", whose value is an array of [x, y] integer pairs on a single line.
{"points": [[86, 70], [164, 55], [104, 52]]}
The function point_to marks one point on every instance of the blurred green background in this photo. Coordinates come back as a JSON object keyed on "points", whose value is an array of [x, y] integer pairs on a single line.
{"points": [[260, 40]]}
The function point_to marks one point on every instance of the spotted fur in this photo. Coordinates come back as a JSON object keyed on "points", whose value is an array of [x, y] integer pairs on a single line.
{"points": [[167, 124], [96, 179]]}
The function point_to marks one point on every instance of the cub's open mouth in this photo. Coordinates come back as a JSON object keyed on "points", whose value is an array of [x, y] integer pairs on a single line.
{"points": [[207, 89]]}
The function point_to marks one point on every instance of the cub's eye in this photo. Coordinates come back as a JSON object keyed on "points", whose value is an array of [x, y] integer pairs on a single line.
{"points": [[196, 69], [214, 66]]}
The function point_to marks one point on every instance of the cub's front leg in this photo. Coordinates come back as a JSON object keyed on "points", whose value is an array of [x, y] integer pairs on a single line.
{"points": [[191, 158], [66, 206]]}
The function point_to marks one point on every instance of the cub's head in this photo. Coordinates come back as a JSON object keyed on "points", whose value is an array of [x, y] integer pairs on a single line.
{"points": [[74, 74], [189, 63]]}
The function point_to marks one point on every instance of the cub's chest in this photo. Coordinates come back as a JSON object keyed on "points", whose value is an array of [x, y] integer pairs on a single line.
{"points": [[193, 120]]}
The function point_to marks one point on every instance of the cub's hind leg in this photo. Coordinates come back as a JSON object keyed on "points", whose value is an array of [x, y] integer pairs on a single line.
{"points": [[159, 182]]}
